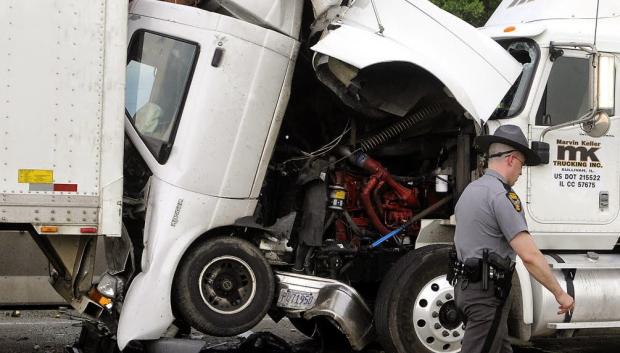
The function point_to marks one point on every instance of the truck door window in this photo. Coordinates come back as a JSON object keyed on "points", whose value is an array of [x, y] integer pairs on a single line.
{"points": [[159, 70], [527, 53], [567, 96]]}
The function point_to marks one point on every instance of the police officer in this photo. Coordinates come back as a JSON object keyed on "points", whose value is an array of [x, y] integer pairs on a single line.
{"points": [[489, 215]]}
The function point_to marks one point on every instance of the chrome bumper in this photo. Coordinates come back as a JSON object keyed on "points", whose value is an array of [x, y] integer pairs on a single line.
{"points": [[335, 300]]}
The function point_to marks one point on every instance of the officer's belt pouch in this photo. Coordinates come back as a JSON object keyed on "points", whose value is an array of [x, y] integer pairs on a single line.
{"points": [[472, 269]]}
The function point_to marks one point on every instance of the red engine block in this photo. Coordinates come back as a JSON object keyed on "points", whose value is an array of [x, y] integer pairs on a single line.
{"points": [[378, 202]]}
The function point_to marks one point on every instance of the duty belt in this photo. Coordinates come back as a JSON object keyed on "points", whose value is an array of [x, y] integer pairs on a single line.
{"points": [[473, 272], [490, 267]]}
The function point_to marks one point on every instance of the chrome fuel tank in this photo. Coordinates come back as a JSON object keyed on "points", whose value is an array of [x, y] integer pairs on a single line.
{"points": [[593, 280]]}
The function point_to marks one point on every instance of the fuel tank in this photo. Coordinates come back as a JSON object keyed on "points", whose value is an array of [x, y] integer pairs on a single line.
{"points": [[593, 280]]}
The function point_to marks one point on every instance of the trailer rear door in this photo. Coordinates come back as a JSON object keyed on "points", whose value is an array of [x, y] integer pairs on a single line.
{"points": [[61, 106]]}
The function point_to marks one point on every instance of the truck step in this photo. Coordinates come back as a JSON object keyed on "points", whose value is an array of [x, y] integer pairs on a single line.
{"points": [[583, 325]]}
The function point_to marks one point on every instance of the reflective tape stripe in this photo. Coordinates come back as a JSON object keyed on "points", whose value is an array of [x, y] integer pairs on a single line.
{"points": [[40, 187], [66, 187]]}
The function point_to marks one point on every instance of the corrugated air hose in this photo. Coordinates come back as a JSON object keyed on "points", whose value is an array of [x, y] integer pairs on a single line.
{"points": [[398, 128]]}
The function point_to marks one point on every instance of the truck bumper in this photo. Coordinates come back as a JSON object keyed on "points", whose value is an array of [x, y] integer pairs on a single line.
{"points": [[332, 299]]}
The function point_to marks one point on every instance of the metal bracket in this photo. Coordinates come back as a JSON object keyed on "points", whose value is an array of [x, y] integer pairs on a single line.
{"points": [[381, 28]]}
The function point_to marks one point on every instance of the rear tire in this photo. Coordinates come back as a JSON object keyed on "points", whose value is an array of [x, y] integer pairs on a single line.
{"points": [[415, 309], [223, 286]]}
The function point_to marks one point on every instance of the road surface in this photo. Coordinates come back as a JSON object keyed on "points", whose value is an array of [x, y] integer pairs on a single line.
{"points": [[48, 331]]}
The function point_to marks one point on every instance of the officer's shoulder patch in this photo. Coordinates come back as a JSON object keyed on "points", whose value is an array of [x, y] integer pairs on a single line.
{"points": [[514, 200]]}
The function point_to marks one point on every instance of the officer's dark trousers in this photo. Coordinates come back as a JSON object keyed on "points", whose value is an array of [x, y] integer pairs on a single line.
{"points": [[486, 328]]}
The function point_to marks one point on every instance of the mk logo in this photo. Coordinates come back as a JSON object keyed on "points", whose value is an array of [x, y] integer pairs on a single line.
{"points": [[584, 153], [518, 2]]}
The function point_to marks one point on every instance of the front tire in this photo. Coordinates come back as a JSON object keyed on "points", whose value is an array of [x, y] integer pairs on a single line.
{"points": [[415, 309], [223, 286]]}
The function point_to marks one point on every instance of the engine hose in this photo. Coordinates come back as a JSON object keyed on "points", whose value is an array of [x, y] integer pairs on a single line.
{"points": [[352, 224], [329, 222], [432, 208], [307, 262], [398, 128]]}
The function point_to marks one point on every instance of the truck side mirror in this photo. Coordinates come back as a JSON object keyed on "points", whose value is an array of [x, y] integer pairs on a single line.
{"points": [[597, 126], [542, 150], [604, 96], [606, 84]]}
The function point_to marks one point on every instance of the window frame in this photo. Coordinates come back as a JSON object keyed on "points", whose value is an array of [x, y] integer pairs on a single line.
{"points": [[165, 149], [567, 53], [505, 43]]}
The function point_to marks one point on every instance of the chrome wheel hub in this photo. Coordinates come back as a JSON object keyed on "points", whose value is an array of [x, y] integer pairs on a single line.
{"points": [[435, 317]]}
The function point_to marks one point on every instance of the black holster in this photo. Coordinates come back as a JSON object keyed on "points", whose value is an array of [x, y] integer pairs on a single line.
{"points": [[490, 267], [501, 270]]}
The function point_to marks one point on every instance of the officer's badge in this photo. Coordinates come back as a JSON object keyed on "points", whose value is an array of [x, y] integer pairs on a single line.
{"points": [[514, 200]]}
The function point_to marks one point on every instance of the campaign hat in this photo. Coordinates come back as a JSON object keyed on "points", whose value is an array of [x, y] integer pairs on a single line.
{"points": [[512, 136]]}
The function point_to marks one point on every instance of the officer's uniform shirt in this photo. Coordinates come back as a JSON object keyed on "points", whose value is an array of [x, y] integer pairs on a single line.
{"points": [[488, 215]]}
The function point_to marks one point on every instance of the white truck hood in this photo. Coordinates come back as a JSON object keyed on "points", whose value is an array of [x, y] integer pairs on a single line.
{"points": [[476, 70]]}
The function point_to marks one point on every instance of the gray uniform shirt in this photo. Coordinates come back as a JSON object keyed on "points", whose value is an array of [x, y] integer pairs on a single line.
{"points": [[488, 215]]}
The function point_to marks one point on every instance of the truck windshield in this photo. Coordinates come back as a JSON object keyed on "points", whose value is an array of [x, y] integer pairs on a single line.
{"points": [[527, 53], [159, 70]]}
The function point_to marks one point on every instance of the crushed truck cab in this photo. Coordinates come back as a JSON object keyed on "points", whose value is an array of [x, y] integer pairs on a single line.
{"points": [[302, 159]]}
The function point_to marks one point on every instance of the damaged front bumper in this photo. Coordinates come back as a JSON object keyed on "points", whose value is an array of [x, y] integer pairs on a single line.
{"points": [[312, 297]]}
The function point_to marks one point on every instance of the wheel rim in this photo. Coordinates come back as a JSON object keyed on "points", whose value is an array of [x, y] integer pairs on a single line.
{"points": [[227, 285], [435, 318]]}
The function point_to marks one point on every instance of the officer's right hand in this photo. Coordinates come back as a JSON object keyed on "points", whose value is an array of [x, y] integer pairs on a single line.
{"points": [[567, 303]]}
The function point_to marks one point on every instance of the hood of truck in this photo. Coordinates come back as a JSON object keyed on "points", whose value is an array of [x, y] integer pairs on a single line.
{"points": [[476, 70]]}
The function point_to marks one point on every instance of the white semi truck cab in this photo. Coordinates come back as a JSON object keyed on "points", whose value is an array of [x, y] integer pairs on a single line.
{"points": [[570, 56], [251, 157]]}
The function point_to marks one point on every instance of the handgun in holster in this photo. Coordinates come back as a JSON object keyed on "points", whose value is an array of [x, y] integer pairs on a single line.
{"points": [[501, 270]]}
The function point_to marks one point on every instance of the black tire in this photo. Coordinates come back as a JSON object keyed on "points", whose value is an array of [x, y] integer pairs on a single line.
{"points": [[223, 286], [413, 298]]}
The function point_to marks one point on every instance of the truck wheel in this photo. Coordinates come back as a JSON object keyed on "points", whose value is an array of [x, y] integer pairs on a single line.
{"points": [[223, 286], [415, 309]]}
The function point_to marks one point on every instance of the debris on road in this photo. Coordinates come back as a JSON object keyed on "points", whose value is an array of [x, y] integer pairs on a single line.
{"points": [[264, 342]]}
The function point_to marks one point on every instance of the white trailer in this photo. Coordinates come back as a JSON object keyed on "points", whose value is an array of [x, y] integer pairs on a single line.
{"points": [[62, 132], [268, 152]]}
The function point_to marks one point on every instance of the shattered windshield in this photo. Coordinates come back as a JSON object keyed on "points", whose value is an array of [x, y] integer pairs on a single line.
{"points": [[527, 53]]}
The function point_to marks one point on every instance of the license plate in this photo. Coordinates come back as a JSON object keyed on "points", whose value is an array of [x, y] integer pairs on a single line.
{"points": [[294, 299]]}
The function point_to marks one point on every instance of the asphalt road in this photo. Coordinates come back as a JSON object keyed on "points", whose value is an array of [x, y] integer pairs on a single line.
{"points": [[48, 331]]}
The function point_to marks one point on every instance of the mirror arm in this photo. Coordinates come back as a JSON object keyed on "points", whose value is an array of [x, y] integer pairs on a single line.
{"points": [[587, 47], [584, 119]]}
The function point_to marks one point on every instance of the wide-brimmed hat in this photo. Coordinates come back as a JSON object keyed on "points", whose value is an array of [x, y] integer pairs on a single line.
{"points": [[510, 135]]}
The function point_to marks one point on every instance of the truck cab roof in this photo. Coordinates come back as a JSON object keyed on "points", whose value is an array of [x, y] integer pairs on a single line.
{"points": [[557, 20], [526, 11]]}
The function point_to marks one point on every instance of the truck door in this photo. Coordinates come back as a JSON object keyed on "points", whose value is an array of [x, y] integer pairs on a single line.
{"points": [[578, 191]]}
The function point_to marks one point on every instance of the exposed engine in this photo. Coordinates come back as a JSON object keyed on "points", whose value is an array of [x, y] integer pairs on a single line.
{"points": [[366, 177]]}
